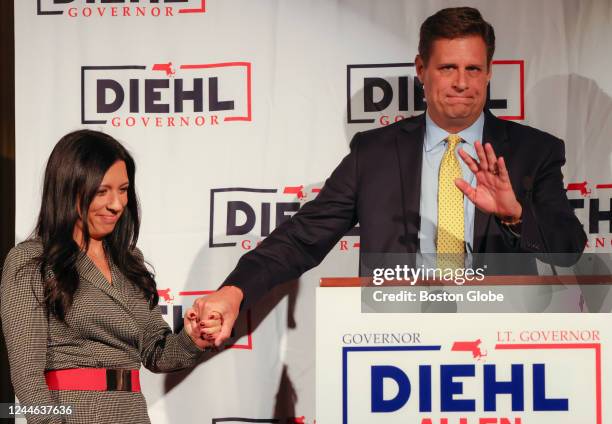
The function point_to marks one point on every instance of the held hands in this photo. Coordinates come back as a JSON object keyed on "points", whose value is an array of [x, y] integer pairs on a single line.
{"points": [[226, 301], [493, 192], [202, 331]]}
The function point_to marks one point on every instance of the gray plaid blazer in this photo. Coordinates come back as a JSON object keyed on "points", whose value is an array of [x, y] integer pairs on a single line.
{"points": [[108, 326]]}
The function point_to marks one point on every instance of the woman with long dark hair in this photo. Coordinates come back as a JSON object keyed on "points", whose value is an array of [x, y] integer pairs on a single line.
{"points": [[79, 307]]}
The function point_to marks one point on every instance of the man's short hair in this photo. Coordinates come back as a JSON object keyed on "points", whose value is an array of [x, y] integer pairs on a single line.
{"points": [[455, 22]]}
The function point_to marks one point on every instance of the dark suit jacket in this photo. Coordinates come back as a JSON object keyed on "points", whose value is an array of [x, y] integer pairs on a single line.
{"points": [[378, 184]]}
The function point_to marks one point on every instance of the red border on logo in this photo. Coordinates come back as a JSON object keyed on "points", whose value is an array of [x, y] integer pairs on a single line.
{"points": [[521, 64], [202, 9], [594, 346], [249, 345], [247, 65]]}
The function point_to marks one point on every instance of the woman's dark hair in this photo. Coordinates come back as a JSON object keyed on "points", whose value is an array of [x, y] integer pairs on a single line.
{"points": [[74, 172], [455, 22]]}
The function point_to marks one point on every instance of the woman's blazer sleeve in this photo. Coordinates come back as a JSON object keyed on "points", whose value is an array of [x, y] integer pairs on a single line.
{"points": [[161, 350], [25, 327]]}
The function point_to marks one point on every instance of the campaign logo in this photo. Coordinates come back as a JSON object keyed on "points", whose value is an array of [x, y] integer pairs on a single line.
{"points": [[509, 383], [593, 207], [119, 8], [389, 92], [173, 307], [243, 217], [166, 95]]}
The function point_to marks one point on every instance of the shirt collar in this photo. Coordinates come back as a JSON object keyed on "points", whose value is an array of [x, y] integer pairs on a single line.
{"points": [[435, 135]]}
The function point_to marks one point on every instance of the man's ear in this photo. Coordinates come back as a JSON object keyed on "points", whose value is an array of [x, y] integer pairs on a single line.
{"points": [[420, 66]]}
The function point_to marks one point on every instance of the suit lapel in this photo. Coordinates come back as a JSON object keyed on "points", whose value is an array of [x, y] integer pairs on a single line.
{"points": [[409, 144], [494, 132], [88, 270]]}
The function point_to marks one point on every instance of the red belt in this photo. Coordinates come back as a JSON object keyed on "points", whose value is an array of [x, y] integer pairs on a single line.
{"points": [[98, 379]]}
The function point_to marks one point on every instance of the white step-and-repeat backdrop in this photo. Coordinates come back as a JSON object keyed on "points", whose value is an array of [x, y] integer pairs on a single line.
{"points": [[237, 110]]}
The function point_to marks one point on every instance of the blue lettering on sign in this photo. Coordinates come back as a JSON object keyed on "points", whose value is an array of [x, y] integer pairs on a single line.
{"points": [[514, 388], [540, 403], [379, 374], [450, 389], [345, 353], [425, 388]]}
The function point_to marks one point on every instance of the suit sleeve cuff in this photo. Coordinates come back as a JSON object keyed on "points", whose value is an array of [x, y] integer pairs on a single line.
{"points": [[248, 280]]}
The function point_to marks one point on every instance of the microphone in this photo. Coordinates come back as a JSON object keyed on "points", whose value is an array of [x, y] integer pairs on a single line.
{"points": [[528, 187]]}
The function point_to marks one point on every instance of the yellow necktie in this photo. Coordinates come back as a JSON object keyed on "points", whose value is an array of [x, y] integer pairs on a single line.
{"points": [[450, 246]]}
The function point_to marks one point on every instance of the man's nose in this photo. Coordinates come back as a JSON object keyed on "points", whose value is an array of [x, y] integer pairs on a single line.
{"points": [[460, 82]]}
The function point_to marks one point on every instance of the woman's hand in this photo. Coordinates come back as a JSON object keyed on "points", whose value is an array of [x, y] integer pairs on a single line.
{"points": [[202, 331]]}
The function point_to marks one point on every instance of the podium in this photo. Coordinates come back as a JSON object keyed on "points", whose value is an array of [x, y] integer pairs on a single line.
{"points": [[510, 367]]}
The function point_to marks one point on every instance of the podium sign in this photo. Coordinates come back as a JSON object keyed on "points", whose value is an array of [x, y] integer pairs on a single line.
{"points": [[444, 368]]}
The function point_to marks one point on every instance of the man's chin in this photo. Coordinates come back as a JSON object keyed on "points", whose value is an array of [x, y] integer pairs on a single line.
{"points": [[461, 113]]}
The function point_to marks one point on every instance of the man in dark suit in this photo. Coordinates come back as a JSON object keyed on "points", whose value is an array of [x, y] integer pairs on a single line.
{"points": [[406, 187]]}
